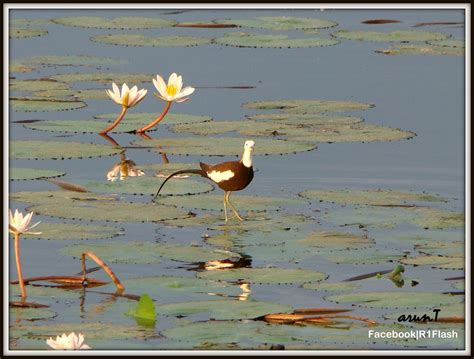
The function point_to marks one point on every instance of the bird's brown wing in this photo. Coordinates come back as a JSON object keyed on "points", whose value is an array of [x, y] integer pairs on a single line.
{"points": [[234, 166]]}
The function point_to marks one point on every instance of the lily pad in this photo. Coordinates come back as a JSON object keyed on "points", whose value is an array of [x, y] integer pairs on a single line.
{"points": [[282, 221], [165, 169], [84, 94], [436, 261], [437, 218], [281, 23], [155, 41], [19, 67], [31, 314], [459, 43], [33, 104], [43, 294], [147, 117], [424, 49], [394, 36], [371, 256], [36, 149], [138, 252], [23, 33], [36, 85], [214, 202], [149, 186], [337, 240], [395, 299], [103, 77], [25, 174], [223, 309], [126, 22], [242, 39], [332, 287], [375, 197], [306, 119], [308, 106], [445, 248], [228, 146], [72, 60], [67, 231], [265, 275]]}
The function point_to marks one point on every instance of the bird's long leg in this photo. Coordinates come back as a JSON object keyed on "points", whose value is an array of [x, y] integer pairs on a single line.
{"points": [[233, 208], [225, 206]]}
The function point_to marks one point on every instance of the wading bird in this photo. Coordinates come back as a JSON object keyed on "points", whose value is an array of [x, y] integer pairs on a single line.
{"points": [[229, 176]]}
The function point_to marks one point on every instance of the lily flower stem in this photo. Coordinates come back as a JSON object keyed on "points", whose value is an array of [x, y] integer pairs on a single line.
{"points": [[157, 120], [18, 265], [117, 121]]}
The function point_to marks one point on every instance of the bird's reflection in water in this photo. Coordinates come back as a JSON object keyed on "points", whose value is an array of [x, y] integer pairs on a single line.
{"points": [[123, 169], [246, 291]]}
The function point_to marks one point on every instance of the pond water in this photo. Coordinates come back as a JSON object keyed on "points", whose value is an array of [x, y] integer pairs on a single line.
{"points": [[422, 93]]}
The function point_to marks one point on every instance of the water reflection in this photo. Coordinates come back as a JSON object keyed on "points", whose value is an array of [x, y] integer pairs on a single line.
{"points": [[123, 169]]}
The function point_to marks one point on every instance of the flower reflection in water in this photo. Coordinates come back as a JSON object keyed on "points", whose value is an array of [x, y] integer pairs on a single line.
{"points": [[227, 264], [124, 168]]}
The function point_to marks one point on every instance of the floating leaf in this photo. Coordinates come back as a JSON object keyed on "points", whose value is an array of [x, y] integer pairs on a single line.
{"points": [[437, 218], [422, 50], [228, 146], [43, 294], [223, 309], [84, 94], [265, 275], [394, 36], [67, 231], [371, 197], [165, 169], [24, 174], [372, 256], [459, 43], [19, 314], [336, 240], [144, 312], [332, 287], [214, 202], [36, 149], [149, 186], [281, 23], [306, 119], [460, 285], [18, 67], [125, 22], [308, 106], [395, 299], [436, 261], [36, 85], [282, 221], [72, 60], [451, 248], [242, 39], [143, 40], [147, 253], [146, 117], [103, 77], [26, 104], [22, 33]]}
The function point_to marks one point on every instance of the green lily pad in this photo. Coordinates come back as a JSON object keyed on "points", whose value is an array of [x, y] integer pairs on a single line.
{"points": [[43, 294], [375, 197], [308, 119], [265, 275], [242, 39], [84, 94], [451, 248], [423, 49], [371, 256], [125, 22], [332, 287], [228, 146], [36, 85], [144, 312], [155, 41], [23, 33], [395, 299], [214, 202], [36, 149], [165, 169], [437, 218], [31, 314], [32, 104], [103, 77], [394, 36], [147, 117], [453, 310], [308, 106], [281, 23], [72, 60], [336, 240], [459, 285], [67, 231], [87, 206], [436, 261], [25, 174], [448, 43], [149, 186], [147, 253], [223, 309]]}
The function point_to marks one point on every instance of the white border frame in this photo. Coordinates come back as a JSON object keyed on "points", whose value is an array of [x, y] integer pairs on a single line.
{"points": [[73, 6]]}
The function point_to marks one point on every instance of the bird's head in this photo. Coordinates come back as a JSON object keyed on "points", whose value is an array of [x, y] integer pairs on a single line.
{"points": [[249, 145]]}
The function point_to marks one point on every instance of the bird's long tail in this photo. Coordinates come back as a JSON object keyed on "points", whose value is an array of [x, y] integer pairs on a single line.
{"points": [[197, 172]]}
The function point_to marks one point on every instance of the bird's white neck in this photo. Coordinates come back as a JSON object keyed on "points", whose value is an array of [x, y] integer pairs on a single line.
{"points": [[247, 158]]}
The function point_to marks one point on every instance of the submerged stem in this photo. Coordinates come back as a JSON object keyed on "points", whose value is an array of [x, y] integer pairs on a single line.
{"points": [[156, 120], [117, 121], [18, 265]]}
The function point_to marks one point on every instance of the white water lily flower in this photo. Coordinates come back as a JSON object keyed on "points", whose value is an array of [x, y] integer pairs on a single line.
{"points": [[68, 342], [19, 223], [173, 91], [128, 97]]}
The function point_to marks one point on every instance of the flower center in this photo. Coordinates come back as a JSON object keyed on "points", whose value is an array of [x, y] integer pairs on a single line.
{"points": [[125, 99], [171, 90]]}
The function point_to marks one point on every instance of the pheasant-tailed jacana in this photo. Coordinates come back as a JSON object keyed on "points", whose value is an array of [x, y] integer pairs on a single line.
{"points": [[230, 176]]}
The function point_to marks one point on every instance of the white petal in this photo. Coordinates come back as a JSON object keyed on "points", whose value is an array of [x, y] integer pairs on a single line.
{"points": [[187, 91], [163, 98], [132, 96], [12, 220], [116, 90], [52, 343], [180, 100], [125, 90], [160, 85], [179, 84], [173, 79]]}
